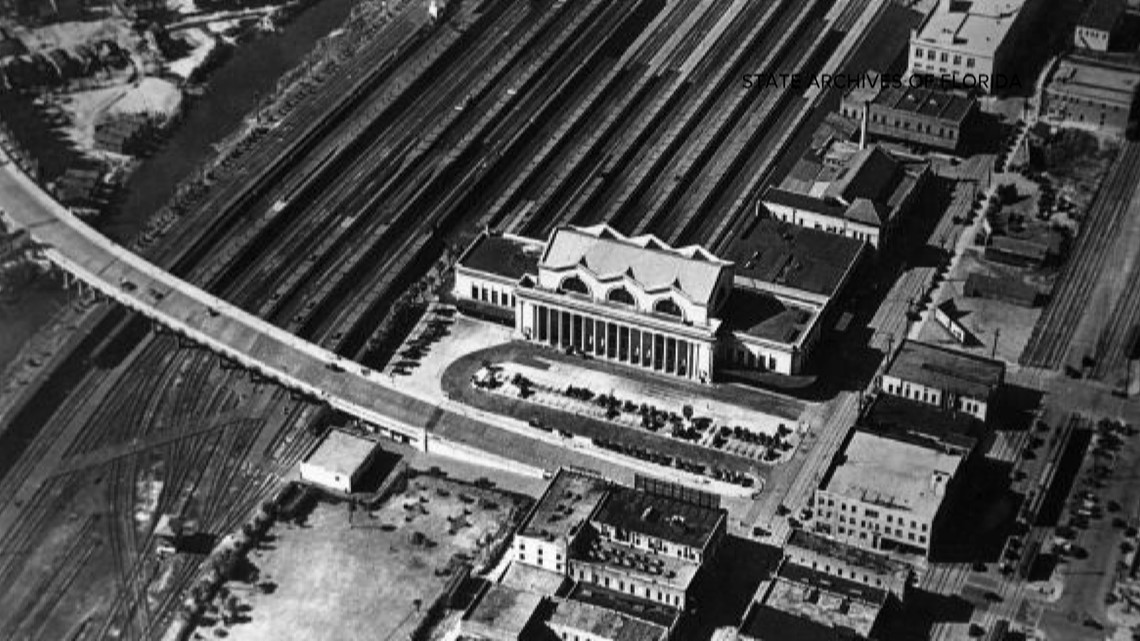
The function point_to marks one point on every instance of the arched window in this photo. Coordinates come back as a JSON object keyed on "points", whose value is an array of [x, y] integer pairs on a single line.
{"points": [[620, 295], [573, 284], [668, 306]]}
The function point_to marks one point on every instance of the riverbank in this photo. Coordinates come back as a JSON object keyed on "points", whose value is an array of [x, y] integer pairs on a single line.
{"points": [[235, 87]]}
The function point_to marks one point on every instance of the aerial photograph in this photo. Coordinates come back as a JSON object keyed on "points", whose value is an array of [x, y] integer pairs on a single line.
{"points": [[570, 320]]}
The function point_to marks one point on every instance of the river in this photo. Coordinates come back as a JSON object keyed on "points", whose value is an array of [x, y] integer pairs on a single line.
{"points": [[231, 92]]}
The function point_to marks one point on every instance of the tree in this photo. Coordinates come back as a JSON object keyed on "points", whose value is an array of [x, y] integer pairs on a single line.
{"points": [[687, 412]]}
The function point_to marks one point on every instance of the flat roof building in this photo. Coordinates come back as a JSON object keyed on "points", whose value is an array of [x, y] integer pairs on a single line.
{"points": [[578, 620], [834, 603], [842, 189], [944, 378], [339, 461], [1098, 95], [872, 569], [502, 614], [639, 302], [544, 538], [922, 423], [922, 115], [639, 542], [886, 494], [1099, 25], [973, 42]]}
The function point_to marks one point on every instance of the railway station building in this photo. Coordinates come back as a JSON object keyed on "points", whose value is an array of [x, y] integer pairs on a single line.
{"points": [[944, 378], [925, 116], [974, 43], [640, 302], [887, 494], [858, 192]]}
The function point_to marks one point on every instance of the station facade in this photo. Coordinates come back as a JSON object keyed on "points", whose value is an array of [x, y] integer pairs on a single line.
{"points": [[637, 301]]}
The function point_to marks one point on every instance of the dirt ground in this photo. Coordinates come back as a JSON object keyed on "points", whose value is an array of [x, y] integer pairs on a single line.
{"points": [[982, 317], [369, 575]]}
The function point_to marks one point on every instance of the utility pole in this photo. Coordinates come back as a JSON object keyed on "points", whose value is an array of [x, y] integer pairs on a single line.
{"points": [[997, 337]]}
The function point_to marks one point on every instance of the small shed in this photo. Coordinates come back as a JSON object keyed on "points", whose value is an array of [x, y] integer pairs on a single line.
{"points": [[339, 461], [1004, 289]]}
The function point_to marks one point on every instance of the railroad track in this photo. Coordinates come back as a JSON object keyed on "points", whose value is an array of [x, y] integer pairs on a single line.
{"points": [[1049, 342]]}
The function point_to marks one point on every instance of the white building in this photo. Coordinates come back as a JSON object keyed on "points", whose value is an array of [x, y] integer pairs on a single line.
{"points": [[886, 494], [973, 43], [944, 378], [543, 540], [642, 303], [339, 461], [1099, 24]]}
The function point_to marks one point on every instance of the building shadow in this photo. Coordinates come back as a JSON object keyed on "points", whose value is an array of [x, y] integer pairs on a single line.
{"points": [[724, 590]]}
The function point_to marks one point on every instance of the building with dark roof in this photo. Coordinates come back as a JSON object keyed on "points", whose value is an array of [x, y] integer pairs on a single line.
{"points": [[507, 614], [1009, 290], [843, 189], [765, 623], [944, 378], [637, 542], [874, 570], [487, 273], [920, 115], [647, 545], [502, 614], [545, 536], [1099, 25], [1092, 93], [676, 311], [908, 419]]}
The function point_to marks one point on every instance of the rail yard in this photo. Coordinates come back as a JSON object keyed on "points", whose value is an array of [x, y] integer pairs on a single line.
{"points": [[522, 117]]}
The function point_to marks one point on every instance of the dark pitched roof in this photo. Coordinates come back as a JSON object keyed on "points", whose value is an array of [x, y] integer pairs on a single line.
{"points": [[871, 174], [797, 257], [868, 212]]}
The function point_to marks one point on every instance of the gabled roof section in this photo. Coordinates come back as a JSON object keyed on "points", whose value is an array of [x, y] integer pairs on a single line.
{"points": [[867, 212], [691, 271], [870, 175]]}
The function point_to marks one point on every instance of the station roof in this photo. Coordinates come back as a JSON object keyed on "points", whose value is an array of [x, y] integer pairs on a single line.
{"points": [[598, 622], [972, 26], [895, 414], [341, 453], [503, 255], [762, 315], [502, 613], [567, 502], [947, 369], [798, 257], [893, 473], [659, 516], [607, 253]]}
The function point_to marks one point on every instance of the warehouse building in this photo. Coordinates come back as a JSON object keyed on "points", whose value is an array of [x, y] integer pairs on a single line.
{"points": [[920, 115], [639, 302], [1092, 94], [887, 494], [973, 43], [339, 462], [944, 378]]}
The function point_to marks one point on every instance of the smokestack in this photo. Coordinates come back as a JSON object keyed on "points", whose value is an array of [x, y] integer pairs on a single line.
{"points": [[863, 125]]}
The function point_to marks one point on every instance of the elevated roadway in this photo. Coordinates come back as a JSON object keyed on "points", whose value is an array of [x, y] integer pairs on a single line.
{"points": [[268, 351]]}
